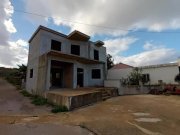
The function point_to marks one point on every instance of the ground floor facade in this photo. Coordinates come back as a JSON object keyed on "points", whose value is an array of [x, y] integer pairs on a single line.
{"points": [[54, 72]]}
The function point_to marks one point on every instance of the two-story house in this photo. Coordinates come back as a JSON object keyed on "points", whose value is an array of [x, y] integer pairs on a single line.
{"points": [[57, 60]]}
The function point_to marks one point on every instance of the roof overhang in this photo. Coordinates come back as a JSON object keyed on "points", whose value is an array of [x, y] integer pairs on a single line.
{"points": [[73, 57], [99, 43], [77, 35], [48, 30]]}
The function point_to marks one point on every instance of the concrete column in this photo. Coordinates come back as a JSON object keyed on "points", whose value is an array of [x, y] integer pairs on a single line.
{"points": [[48, 79], [74, 75]]}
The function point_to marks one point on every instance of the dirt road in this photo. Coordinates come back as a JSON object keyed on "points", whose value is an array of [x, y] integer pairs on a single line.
{"points": [[123, 115], [17, 114]]}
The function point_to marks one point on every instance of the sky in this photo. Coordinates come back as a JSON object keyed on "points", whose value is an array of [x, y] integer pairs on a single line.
{"points": [[138, 33]]}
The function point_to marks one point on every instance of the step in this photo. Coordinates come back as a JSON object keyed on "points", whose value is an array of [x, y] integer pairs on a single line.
{"points": [[106, 97]]}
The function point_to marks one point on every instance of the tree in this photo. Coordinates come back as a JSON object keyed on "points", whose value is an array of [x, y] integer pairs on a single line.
{"points": [[177, 78], [135, 76], [22, 71], [110, 61]]}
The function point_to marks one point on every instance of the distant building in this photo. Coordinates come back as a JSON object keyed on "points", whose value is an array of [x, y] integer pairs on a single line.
{"points": [[155, 74], [57, 60]]}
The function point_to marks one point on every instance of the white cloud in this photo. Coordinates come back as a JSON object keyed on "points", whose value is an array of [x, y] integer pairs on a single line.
{"points": [[14, 53], [123, 14], [149, 57], [11, 52], [118, 45], [10, 26], [6, 24], [149, 45]]}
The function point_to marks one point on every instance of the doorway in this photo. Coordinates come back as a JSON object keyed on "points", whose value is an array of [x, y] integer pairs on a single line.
{"points": [[57, 77], [80, 77]]}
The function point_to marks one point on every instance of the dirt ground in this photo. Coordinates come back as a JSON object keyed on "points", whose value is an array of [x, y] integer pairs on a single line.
{"points": [[123, 115], [17, 115]]}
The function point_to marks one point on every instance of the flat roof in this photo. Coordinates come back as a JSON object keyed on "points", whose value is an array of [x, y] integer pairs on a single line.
{"points": [[160, 65], [75, 35]]}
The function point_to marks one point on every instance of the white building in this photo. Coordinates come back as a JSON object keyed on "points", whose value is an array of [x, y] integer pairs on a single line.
{"points": [[156, 74], [57, 60], [163, 73]]}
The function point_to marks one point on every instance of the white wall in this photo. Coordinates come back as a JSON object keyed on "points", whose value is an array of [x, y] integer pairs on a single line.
{"points": [[166, 74], [126, 90], [118, 73]]}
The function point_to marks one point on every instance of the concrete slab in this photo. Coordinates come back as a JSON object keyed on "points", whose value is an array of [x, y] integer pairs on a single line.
{"points": [[75, 98]]}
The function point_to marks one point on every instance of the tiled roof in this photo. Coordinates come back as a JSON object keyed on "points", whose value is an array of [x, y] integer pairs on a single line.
{"points": [[121, 66]]}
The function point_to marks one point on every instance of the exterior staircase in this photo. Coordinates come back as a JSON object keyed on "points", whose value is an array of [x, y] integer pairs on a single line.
{"points": [[105, 95]]}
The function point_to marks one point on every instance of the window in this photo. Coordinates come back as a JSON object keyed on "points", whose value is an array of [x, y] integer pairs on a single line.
{"points": [[55, 45], [145, 78], [160, 81], [31, 73], [75, 49], [96, 73], [96, 54]]}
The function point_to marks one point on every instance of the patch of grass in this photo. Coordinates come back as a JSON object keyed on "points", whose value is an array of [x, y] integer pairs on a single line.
{"points": [[38, 100], [57, 109], [26, 94]]}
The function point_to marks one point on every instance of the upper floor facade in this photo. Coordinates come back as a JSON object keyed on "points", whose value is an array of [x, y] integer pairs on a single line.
{"points": [[76, 44]]}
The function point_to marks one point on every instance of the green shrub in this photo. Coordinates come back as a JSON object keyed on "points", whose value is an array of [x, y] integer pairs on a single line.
{"points": [[38, 100], [26, 94], [57, 109]]}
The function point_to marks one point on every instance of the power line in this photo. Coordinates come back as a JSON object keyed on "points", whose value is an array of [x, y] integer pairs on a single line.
{"points": [[98, 26]]}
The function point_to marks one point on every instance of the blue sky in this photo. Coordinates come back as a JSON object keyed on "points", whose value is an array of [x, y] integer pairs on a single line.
{"points": [[154, 39]]}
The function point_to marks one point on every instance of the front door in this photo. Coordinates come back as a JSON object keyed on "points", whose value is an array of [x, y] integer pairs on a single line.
{"points": [[80, 77], [57, 77]]}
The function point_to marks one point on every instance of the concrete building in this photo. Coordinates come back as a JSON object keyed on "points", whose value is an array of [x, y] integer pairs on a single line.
{"points": [[162, 73], [155, 74], [57, 60]]}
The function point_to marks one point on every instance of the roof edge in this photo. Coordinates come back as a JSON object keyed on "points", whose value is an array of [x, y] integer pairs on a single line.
{"points": [[46, 29]]}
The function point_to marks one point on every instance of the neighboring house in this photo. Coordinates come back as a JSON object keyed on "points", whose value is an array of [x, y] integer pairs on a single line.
{"points": [[57, 60], [162, 73], [155, 74], [119, 71]]}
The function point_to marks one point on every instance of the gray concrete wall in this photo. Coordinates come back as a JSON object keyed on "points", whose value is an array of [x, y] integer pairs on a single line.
{"points": [[41, 44], [86, 48], [33, 60], [88, 81]]}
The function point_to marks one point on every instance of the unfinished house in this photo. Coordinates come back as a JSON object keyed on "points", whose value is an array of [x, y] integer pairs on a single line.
{"points": [[57, 60]]}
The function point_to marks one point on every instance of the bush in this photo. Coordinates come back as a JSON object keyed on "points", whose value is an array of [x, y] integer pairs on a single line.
{"points": [[26, 94], [37, 100], [177, 78], [57, 109]]}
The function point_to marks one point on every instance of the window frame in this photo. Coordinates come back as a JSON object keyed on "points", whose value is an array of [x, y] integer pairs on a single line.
{"points": [[94, 75], [55, 44], [74, 51], [31, 73], [96, 54]]}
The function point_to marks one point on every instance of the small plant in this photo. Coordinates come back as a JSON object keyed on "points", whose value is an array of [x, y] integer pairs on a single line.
{"points": [[26, 94], [57, 109], [38, 100], [177, 78]]}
